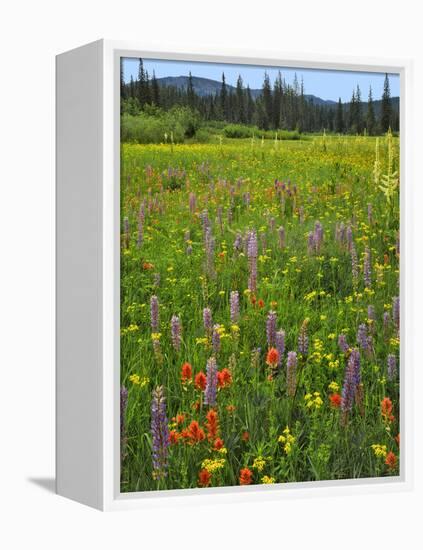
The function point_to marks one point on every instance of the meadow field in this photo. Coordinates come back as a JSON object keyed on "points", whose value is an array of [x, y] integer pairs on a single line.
{"points": [[259, 311]]}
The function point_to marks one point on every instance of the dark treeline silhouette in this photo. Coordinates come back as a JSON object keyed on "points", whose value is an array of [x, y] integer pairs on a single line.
{"points": [[278, 106]]}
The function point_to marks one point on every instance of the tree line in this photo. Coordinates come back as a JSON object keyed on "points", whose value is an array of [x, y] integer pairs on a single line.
{"points": [[281, 106]]}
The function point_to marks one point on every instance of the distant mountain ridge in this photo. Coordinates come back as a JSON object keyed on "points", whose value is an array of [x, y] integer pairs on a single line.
{"points": [[207, 86]]}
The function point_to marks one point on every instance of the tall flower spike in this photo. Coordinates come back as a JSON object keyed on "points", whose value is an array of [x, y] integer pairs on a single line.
{"points": [[291, 373], [396, 312], [252, 253], [216, 339], [210, 391], [271, 328], [367, 269], [154, 313], [392, 366], [207, 320], [281, 236], [342, 343], [303, 339], [160, 433], [234, 300], [176, 331], [362, 338], [350, 382], [280, 344]]}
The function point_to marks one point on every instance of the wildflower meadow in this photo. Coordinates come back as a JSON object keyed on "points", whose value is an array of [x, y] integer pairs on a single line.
{"points": [[260, 309]]}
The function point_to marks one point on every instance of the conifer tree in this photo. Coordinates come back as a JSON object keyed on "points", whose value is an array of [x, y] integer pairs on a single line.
{"points": [[190, 92], [155, 91], [358, 111], [224, 99], [267, 101], [370, 118], [240, 101], [386, 108], [339, 119]]}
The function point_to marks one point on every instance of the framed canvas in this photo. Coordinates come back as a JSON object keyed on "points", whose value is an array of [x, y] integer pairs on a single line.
{"points": [[233, 233]]}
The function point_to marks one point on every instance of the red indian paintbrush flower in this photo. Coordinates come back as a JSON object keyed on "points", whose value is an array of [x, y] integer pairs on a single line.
{"points": [[272, 357], [186, 372], [196, 434], [391, 460], [200, 381], [335, 400], [386, 409], [212, 424], [204, 478], [245, 476], [173, 437], [218, 444], [224, 378]]}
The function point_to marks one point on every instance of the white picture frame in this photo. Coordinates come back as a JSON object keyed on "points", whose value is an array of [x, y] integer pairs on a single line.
{"points": [[88, 251]]}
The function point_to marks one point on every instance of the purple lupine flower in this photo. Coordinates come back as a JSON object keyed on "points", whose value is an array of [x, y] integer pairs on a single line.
{"points": [[281, 235], [204, 216], [354, 265], [238, 242], [234, 302], [280, 344], [291, 373], [362, 337], [272, 224], [370, 213], [396, 311], [392, 366], [154, 313], [367, 269], [318, 235], [209, 247], [303, 339], [342, 343], [189, 250], [210, 391], [192, 203], [176, 329], [216, 339], [271, 328], [246, 198], [187, 235], [160, 434], [207, 320], [123, 405], [252, 252], [349, 388], [311, 245]]}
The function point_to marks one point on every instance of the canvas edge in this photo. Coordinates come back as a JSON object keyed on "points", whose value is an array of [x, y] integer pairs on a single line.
{"points": [[113, 499]]}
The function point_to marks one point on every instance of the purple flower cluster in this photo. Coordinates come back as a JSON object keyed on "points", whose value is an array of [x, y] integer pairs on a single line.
{"points": [[154, 313], [160, 433], [392, 366], [176, 330], [367, 269], [352, 379], [238, 243], [192, 203], [396, 312], [362, 337], [252, 253], [350, 242], [234, 302], [209, 243], [280, 344], [354, 265], [342, 343], [210, 391], [291, 373], [271, 328], [216, 339], [207, 320], [303, 340]]}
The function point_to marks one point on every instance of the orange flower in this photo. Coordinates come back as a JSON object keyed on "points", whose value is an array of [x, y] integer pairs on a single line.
{"points": [[386, 409], [204, 478], [253, 299], [212, 424], [196, 434], [260, 303], [335, 400], [173, 437], [224, 378], [200, 381], [272, 357], [218, 444], [186, 372], [179, 418], [391, 460], [245, 436], [147, 265], [245, 476], [230, 408]]}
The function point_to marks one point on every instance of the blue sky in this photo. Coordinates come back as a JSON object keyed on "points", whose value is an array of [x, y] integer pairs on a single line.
{"points": [[324, 84]]}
